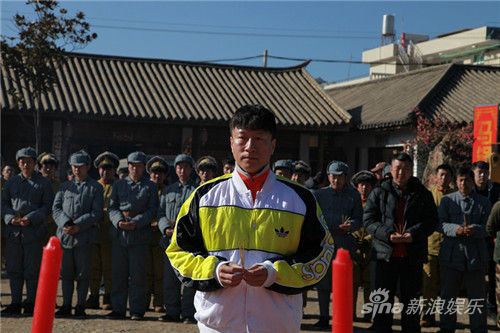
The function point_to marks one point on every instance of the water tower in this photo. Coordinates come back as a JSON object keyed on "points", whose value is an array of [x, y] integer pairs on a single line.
{"points": [[388, 32]]}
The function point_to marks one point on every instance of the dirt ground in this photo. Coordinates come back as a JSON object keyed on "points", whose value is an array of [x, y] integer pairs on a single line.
{"points": [[97, 323]]}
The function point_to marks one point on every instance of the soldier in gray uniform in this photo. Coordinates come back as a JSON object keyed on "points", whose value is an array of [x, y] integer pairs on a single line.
{"points": [[170, 203], [26, 201], [283, 168], [77, 207], [132, 208], [343, 211]]}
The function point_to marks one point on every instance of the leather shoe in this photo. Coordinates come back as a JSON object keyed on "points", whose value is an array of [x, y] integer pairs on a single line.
{"points": [[322, 323], [115, 315], [12, 310], [63, 312], [80, 312], [136, 316], [170, 318]]}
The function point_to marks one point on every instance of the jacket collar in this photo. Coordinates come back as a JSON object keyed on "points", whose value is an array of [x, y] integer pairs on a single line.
{"points": [[242, 188]]}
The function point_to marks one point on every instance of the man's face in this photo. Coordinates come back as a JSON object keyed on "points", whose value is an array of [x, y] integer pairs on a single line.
{"points": [[227, 168], [136, 170], [481, 177], [183, 171], [107, 173], [401, 172], [206, 175], [337, 182], [364, 189], [158, 177], [48, 170], [8, 172], [299, 178], [283, 172], [378, 174], [252, 149], [26, 165], [465, 184], [443, 178], [122, 175], [81, 171]]}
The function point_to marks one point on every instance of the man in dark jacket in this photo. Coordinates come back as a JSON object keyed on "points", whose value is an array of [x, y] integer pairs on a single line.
{"points": [[400, 214], [485, 187]]}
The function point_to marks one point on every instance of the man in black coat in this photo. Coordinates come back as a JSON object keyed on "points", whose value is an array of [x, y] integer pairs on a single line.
{"points": [[400, 214]]}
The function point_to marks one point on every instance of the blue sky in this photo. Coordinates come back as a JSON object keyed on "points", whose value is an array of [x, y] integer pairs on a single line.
{"points": [[200, 30]]}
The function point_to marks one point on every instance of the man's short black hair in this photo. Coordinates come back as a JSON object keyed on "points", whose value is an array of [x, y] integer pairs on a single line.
{"points": [[253, 117], [446, 167], [481, 165], [465, 171], [402, 157], [228, 160]]}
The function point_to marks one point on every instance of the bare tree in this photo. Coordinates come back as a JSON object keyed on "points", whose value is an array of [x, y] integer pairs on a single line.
{"points": [[38, 49]]}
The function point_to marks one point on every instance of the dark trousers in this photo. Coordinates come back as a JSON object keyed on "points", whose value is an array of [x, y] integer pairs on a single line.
{"points": [[76, 266], [476, 290], [129, 277], [409, 276], [23, 264], [174, 303]]}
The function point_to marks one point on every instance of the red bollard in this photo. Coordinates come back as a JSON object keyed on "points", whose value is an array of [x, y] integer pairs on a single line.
{"points": [[45, 304], [342, 293]]}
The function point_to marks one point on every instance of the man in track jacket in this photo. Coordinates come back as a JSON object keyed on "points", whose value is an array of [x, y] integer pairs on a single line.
{"points": [[250, 242]]}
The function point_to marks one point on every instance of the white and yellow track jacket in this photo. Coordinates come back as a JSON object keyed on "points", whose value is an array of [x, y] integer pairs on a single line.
{"points": [[283, 230]]}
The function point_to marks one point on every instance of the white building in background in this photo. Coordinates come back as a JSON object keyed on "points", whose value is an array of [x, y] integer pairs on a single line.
{"points": [[479, 46]]}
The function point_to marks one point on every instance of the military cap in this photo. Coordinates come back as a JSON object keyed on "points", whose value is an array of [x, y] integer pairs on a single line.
{"points": [[183, 158], [107, 159], [47, 158], [26, 152], [283, 164], [206, 162], [137, 157], [364, 176], [157, 163], [337, 168], [302, 167], [80, 158]]}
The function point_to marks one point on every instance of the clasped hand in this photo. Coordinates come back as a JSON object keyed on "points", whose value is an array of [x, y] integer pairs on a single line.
{"points": [[231, 274], [71, 229], [465, 231], [20, 221], [401, 238], [130, 225]]}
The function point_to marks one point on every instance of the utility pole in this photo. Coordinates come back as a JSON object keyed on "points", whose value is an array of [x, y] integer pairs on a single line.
{"points": [[265, 58]]}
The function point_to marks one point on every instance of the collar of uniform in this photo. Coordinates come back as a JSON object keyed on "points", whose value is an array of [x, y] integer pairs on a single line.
{"points": [[80, 182], [240, 184], [462, 197], [190, 182]]}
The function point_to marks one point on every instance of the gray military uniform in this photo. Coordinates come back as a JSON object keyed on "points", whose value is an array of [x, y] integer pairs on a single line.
{"points": [[81, 204], [130, 248], [464, 258], [337, 206], [31, 198], [170, 204]]}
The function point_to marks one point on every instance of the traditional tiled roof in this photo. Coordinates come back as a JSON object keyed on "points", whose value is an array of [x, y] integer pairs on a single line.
{"points": [[452, 90], [150, 89]]}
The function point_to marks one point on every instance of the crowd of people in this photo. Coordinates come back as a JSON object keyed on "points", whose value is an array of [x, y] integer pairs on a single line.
{"points": [[154, 243]]}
